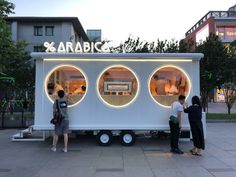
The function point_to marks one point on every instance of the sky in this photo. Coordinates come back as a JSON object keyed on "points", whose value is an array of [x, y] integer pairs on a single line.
{"points": [[119, 19]]}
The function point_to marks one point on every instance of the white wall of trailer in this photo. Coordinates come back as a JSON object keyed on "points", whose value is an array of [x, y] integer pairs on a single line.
{"points": [[92, 113]]}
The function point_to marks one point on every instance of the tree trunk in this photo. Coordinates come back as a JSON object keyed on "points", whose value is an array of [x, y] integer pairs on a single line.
{"points": [[229, 108], [204, 100]]}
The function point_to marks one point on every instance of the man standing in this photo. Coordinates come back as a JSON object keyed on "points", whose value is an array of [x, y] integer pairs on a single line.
{"points": [[60, 106], [175, 124]]}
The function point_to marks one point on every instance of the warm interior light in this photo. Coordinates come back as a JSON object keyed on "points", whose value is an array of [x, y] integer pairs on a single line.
{"points": [[117, 86], [167, 83], [118, 60], [69, 78]]}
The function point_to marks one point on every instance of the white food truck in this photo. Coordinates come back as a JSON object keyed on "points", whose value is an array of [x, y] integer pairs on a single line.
{"points": [[115, 94]]}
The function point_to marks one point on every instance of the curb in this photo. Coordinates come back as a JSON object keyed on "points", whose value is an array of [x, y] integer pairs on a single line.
{"points": [[220, 121]]}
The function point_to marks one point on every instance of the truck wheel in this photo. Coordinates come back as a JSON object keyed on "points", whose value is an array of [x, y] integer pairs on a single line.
{"points": [[104, 138], [127, 138]]}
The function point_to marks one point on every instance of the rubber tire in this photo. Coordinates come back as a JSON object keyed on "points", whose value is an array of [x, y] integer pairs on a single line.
{"points": [[131, 133], [98, 136]]}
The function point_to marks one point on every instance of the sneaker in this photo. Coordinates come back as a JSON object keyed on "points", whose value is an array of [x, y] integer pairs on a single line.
{"points": [[179, 151], [54, 149], [64, 150], [176, 151]]}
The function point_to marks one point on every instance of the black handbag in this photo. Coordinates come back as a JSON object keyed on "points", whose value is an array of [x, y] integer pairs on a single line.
{"points": [[57, 118]]}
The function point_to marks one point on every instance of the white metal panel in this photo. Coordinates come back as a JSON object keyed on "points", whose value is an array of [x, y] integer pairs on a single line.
{"points": [[92, 113]]}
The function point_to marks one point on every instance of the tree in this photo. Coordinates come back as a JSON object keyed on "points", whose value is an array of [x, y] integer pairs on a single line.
{"points": [[6, 8], [131, 45], [14, 59], [229, 86], [230, 94], [186, 46], [135, 45], [212, 66]]}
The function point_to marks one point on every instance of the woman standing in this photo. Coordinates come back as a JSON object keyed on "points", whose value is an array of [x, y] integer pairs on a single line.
{"points": [[60, 106], [195, 121]]}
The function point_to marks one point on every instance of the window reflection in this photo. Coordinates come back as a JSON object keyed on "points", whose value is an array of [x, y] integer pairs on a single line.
{"points": [[69, 79], [117, 86], [167, 84], [226, 33]]}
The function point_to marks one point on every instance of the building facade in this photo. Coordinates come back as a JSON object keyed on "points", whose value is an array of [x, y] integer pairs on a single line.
{"points": [[221, 23], [36, 30]]}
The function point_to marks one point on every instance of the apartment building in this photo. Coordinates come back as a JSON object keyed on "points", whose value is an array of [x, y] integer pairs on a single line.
{"points": [[36, 30], [222, 23]]}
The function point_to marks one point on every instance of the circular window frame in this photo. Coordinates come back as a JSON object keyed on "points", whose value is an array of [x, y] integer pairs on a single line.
{"points": [[124, 105], [165, 66], [59, 66]]}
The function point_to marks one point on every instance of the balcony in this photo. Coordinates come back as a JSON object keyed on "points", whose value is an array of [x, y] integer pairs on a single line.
{"points": [[215, 14]]}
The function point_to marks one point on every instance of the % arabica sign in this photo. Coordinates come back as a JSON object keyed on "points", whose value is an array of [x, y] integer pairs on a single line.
{"points": [[68, 47]]}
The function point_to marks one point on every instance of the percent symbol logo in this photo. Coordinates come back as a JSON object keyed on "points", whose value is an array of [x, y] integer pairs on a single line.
{"points": [[49, 46]]}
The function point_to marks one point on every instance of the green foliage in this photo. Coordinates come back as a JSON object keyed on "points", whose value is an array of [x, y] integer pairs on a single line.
{"points": [[220, 116], [229, 74], [6, 8], [212, 65], [14, 59], [230, 94], [186, 46], [135, 45]]}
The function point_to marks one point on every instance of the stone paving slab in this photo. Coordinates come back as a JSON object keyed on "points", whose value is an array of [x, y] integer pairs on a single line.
{"points": [[147, 158]]}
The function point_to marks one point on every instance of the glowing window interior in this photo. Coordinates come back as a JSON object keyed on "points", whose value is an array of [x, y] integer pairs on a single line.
{"points": [[69, 79], [167, 83], [117, 86]]}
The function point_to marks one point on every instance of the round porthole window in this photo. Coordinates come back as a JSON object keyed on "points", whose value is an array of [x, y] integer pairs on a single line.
{"points": [[70, 79], [167, 83], [118, 86]]}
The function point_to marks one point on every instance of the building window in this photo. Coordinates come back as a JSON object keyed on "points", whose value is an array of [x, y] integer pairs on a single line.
{"points": [[94, 35], [117, 86], [39, 48], [167, 83], [49, 30], [38, 30], [226, 33], [70, 79]]}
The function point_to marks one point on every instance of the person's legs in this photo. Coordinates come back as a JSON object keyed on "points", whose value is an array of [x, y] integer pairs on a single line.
{"points": [[197, 138], [55, 140], [65, 140], [54, 143], [171, 135], [176, 131], [65, 124], [199, 151], [176, 136], [193, 131]]}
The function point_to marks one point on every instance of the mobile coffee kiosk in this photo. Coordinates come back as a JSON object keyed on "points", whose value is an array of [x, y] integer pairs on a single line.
{"points": [[115, 94]]}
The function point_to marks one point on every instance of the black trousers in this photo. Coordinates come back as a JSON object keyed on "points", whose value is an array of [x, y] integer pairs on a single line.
{"points": [[174, 135], [197, 133]]}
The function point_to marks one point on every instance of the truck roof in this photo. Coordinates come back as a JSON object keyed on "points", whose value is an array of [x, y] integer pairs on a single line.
{"points": [[117, 56]]}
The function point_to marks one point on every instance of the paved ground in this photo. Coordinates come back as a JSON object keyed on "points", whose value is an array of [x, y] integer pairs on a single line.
{"points": [[220, 108], [147, 158]]}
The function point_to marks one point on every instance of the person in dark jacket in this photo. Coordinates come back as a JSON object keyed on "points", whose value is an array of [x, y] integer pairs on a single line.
{"points": [[195, 120]]}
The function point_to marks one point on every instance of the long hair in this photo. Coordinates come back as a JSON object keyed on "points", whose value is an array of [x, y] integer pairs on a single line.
{"points": [[196, 100]]}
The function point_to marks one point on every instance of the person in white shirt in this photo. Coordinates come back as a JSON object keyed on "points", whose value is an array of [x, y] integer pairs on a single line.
{"points": [[175, 124]]}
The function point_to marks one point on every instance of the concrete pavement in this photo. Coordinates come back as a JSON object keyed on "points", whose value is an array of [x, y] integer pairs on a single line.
{"points": [[147, 158], [220, 108]]}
